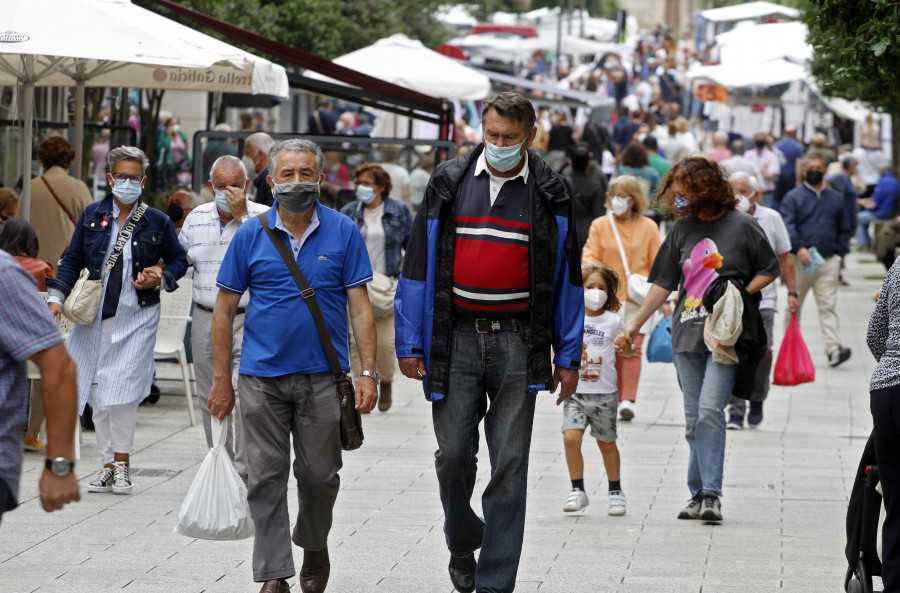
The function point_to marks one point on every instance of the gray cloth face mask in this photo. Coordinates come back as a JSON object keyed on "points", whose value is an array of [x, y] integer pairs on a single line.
{"points": [[296, 197]]}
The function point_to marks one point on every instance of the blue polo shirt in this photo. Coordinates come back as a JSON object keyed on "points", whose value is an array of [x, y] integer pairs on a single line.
{"points": [[280, 335]]}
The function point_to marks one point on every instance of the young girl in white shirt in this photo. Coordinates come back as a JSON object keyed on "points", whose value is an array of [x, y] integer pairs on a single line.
{"points": [[596, 400]]}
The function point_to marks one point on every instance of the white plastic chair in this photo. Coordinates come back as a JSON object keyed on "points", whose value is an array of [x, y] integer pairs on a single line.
{"points": [[65, 328], [175, 313]]}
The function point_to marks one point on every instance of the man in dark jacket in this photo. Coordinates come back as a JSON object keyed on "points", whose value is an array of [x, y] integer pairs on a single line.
{"points": [[817, 224], [491, 281], [588, 194]]}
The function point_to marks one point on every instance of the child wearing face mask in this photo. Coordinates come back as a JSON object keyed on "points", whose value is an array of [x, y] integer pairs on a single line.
{"points": [[595, 402]]}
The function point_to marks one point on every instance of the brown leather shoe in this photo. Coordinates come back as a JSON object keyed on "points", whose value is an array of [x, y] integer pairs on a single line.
{"points": [[315, 571], [275, 586], [384, 400]]}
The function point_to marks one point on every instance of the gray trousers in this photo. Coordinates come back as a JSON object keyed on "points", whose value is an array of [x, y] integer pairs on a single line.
{"points": [[273, 409], [738, 406], [203, 373]]}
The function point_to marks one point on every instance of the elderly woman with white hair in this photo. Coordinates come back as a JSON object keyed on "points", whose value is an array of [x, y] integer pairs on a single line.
{"points": [[133, 249]]}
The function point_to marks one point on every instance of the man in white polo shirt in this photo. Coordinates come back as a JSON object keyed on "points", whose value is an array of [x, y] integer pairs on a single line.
{"points": [[205, 236], [746, 190]]}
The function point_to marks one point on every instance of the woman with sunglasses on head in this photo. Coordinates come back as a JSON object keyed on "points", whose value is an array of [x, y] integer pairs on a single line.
{"points": [[122, 241], [709, 240], [385, 224]]}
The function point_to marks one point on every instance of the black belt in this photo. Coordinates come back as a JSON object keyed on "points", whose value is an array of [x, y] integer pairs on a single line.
{"points": [[240, 310], [485, 326]]}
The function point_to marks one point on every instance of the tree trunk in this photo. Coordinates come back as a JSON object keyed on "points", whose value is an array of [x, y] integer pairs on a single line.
{"points": [[895, 137]]}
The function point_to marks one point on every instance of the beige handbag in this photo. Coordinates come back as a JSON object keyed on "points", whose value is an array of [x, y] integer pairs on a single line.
{"points": [[382, 290], [83, 302]]}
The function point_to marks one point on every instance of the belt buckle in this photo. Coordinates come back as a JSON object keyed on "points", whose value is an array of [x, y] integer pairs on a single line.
{"points": [[495, 326], [478, 326]]}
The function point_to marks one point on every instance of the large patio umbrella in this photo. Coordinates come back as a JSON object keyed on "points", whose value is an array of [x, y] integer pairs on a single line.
{"points": [[115, 43], [408, 63]]}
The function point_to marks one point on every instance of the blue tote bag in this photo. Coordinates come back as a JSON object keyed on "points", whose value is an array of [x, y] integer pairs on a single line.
{"points": [[660, 347]]}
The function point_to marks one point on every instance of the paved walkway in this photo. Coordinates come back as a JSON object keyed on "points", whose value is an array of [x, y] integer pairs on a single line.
{"points": [[786, 490]]}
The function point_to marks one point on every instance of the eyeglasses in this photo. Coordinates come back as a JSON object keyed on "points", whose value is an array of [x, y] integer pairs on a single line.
{"points": [[123, 177]]}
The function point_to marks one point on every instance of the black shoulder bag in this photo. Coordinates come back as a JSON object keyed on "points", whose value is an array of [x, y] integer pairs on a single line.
{"points": [[351, 421]]}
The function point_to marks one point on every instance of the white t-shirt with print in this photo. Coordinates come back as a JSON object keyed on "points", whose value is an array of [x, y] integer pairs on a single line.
{"points": [[598, 355]]}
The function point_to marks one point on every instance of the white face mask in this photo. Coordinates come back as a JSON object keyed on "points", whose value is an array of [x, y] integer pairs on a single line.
{"points": [[250, 166], [594, 299], [743, 204], [620, 205]]}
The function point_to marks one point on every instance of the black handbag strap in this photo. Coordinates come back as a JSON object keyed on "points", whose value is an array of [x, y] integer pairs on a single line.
{"points": [[308, 294]]}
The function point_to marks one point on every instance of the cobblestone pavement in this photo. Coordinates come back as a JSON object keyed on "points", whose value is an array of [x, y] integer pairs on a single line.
{"points": [[785, 496]]}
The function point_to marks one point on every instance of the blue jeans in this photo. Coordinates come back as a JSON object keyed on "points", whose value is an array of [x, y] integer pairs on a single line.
{"points": [[707, 387], [862, 227], [487, 381]]}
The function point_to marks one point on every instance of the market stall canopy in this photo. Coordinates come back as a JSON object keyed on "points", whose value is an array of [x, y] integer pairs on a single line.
{"points": [[749, 74], [748, 11], [408, 63], [516, 50], [133, 48], [760, 43]]}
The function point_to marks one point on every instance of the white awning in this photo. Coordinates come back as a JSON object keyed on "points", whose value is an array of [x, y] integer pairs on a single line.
{"points": [[750, 10]]}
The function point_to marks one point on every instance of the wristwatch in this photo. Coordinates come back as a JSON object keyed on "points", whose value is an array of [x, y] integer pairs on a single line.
{"points": [[245, 218], [60, 466], [794, 293], [374, 375]]}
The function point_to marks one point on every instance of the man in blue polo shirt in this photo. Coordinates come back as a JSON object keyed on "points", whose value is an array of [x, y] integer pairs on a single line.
{"points": [[285, 380]]}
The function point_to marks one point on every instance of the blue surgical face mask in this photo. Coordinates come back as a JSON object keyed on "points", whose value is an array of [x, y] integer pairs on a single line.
{"points": [[503, 158], [221, 202], [682, 206], [365, 194], [127, 191]]}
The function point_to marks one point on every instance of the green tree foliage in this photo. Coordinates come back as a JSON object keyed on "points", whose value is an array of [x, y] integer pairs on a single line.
{"points": [[330, 28], [857, 52], [605, 9]]}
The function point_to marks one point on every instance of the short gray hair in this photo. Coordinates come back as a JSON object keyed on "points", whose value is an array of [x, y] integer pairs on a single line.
{"points": [[751, 179], [127, 153], [228, 161], [720, 137], [848, 161], [260, 140], [296, 145], [513, 106]]}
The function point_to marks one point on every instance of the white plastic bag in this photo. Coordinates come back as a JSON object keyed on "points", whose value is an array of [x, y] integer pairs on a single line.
{"points": [[216, 503]]}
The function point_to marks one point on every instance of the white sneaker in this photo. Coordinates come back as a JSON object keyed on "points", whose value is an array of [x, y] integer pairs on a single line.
{"points": [[626, 410], [578, 499], [104, 481], [121, 482], [616, 503]]}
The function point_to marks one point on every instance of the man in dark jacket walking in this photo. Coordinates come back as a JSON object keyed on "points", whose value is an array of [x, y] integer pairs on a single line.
{"points": [[819, 229], [491, 281]]}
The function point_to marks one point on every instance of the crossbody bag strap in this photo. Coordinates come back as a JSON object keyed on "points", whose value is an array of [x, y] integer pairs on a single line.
{"points": [[58, 201], [612, 222], [308, 294], [124, 236]]}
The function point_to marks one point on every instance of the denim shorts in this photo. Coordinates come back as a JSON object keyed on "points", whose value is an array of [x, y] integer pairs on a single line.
{"points": [[597, 410]]}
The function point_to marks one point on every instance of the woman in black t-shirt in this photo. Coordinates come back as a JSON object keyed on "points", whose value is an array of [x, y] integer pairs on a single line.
{"points": [[709, 239]]}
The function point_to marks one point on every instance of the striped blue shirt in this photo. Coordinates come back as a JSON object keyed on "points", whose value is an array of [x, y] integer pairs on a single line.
{"points": [[26, 328]]}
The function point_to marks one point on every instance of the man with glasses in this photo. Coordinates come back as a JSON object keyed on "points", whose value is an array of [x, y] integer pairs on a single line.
{"points": [[205, 237]]}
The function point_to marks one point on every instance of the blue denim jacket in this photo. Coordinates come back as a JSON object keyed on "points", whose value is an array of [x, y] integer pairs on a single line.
{"points": [[397, 222], [153, 239]]}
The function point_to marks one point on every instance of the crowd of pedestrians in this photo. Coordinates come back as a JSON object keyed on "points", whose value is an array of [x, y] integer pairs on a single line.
{"points": [[515, 269]]}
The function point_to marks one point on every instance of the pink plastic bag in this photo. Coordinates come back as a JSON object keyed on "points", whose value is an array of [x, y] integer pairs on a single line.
{"points": [[794, 365]]}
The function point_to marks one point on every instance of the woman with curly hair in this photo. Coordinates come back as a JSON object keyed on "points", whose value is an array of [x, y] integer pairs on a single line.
{"points": [[710, 239]]}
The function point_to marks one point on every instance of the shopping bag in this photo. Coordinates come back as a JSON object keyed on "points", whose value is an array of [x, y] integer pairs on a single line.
{"points": [[216, 503], [794, 365], [660, 347]]}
